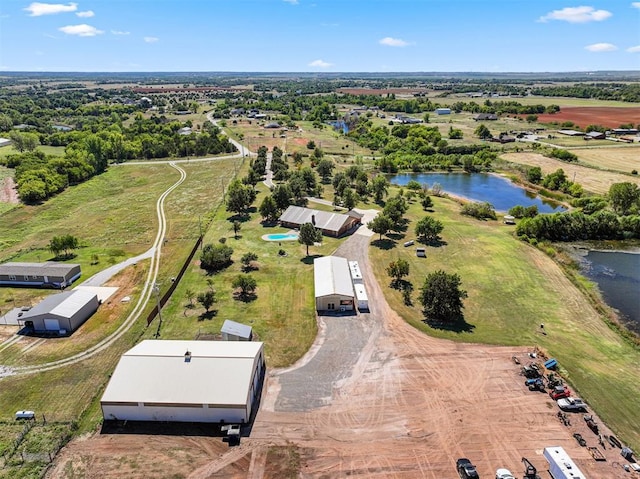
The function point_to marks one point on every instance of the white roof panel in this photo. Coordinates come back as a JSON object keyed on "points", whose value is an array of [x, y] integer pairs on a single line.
{"points": [[237, 329], [61, 304], [218, 373], [331, 276]]}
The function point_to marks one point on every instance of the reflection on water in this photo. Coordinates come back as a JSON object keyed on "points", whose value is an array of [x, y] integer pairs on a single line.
{"points": [[617, 274], [498, 191]]}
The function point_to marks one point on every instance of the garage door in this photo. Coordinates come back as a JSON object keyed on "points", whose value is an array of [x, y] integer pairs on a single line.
{"points": [[51, 324]]}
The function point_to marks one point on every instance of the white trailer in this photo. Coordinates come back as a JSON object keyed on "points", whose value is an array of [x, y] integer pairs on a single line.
{"points": [[361, 297], [356, 274], [561, 466]]}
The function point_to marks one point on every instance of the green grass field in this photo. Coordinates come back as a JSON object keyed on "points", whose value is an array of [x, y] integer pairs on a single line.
{"points": [[513, 288], [49, 150]]}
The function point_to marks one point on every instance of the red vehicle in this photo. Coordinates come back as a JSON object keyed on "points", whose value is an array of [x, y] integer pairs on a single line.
{"points": [[560, 392]]}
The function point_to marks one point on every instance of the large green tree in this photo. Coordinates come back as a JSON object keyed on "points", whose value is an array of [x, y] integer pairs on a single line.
{"points": [[215, 257], [239, 197], [309, 235], [483, 132], [24, 141], [268, 208], [624, 197], [246, 283], [379, 188], [397, 270], [428, 229], [441, 297], [381, 225]]}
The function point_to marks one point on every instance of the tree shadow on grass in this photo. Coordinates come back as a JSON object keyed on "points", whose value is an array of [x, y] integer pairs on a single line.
{"points": [[396, 236], [208, 315], [435, 243], [458, 325], [385, 244], [246, 297], [310, 259]]}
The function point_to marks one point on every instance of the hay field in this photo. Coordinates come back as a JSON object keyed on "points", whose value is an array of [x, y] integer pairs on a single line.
{"points": [[591, 179], [622, 158]]}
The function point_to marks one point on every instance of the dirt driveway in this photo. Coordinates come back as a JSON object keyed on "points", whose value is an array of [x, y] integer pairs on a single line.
{"points": [[374, 398]]}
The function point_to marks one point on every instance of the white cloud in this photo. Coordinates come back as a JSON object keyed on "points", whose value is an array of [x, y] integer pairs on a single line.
{"points": [[393, 42], [119, 32], [151, 39], [37, 9], [577, 15], [87, 14], [82, 30], [292, 2], [635, 4], [601, 47], [635, 49], [320, 64]]}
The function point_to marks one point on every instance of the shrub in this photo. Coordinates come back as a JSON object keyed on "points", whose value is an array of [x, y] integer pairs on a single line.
{"points": [[479, 210]]}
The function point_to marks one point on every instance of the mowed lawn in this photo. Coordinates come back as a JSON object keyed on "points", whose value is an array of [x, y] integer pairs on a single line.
{"points": [[513, 288], [283, 311], [591, 179]]}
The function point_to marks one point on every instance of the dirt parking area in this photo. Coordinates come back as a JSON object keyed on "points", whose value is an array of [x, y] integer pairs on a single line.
{"points": [[374, 398]]}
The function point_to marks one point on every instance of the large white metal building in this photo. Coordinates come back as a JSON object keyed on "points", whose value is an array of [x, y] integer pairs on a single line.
{"points": [[333, 287], [186, 381], [61, 313]]}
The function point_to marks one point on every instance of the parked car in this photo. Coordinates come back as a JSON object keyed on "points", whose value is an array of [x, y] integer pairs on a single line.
{"points": [[560, 392], [504, 474], [466, 470], [572, 404]]}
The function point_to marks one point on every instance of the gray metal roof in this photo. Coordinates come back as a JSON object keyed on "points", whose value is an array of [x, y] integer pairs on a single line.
{"points": [[237, 329], [65, 304], [50, 268], [324, 220], [331, 276], [217, 373]]}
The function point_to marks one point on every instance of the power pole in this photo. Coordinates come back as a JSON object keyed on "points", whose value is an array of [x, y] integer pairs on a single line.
{"points": [[156, 289]]}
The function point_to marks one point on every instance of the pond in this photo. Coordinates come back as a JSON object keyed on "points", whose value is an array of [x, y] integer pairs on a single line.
{"points": [[498, 191], [617, 274]]}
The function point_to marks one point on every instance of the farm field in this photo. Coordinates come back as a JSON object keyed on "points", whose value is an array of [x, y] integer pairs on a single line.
{"points": [[609, 117], [591, 179], [624, 159]]}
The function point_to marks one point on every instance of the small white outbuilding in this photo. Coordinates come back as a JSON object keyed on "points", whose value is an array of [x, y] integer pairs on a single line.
{"points": [[232, 331], [186, 381], [561, 466]]}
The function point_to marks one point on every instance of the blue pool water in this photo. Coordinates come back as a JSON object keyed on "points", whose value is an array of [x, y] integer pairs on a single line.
{"points": [[281, 237]]}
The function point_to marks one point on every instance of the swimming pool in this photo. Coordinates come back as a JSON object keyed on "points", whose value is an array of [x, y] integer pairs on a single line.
{"points": [[281, 237]]}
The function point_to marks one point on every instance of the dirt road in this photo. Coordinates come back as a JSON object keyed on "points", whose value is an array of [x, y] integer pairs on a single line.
{"points": [[374, 398]]}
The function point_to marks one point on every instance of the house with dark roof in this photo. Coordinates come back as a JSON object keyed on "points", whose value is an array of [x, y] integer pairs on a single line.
{"points": [[330, 223], [39, 275]]}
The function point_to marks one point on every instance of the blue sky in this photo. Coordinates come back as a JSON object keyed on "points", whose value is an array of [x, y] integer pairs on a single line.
{"points": [[320, 35]]}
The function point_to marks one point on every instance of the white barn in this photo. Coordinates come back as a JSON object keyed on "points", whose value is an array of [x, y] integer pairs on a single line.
{"points": [[186, 381], [333, 287], [61, 313]]}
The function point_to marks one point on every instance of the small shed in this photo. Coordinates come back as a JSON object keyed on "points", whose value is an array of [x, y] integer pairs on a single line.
{"points": [[509, 220], [4, 142], [443, 111], [61, 313], [232, 331]]}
